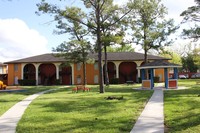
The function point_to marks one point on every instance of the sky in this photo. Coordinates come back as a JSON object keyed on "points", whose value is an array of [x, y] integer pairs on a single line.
{"points": [[23, 33]]}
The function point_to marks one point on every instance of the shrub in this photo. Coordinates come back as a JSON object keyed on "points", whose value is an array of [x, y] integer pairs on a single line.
{"points": [[139, 80], [114, 81], [156, 79], [26, 82], [58, 82]]}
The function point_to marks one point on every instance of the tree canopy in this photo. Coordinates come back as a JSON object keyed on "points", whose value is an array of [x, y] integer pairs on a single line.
{"points": [[149, 28], [192, 14], [98, 17]]}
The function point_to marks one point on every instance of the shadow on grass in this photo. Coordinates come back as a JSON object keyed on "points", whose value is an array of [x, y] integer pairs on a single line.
{"points": [[182, 109], [85, 111]]}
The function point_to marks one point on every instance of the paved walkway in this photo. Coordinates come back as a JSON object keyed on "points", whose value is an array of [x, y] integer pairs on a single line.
{"points": [[9, 120], [151, 119]]}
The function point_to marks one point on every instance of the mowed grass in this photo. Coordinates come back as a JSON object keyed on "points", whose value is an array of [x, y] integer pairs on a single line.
{"points": [[84, 112], [182, 108], [8, 99]]}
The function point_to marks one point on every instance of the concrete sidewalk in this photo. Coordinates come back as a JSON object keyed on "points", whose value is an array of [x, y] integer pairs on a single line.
{"points": [[151, 119], [9, 120]]}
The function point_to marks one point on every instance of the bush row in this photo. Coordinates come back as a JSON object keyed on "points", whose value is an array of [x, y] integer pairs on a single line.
{"points": [[26, 82]]}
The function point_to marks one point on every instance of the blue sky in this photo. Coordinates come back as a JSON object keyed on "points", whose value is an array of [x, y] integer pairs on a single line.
{"points": [[24, 34]]}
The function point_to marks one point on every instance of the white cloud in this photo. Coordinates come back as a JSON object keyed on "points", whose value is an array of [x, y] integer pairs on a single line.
{"points": [[17, 40], [176, 7]]}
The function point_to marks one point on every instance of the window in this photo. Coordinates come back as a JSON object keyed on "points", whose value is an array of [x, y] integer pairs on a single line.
{"points": [[78, 78], [15, 67], [96, 66], [96, 79], [16, 80], [79, 66]]}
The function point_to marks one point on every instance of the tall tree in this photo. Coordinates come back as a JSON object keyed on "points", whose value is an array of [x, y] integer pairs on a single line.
{"points": [[192, 14], [108, 40], [96, 15], [188, 63], [175, 57], [196, 56], [149, 28], [77, 49]]}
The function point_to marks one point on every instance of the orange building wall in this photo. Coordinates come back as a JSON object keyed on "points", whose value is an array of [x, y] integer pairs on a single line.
{"points": [[90, 73], [12, 74], [160, 73]]}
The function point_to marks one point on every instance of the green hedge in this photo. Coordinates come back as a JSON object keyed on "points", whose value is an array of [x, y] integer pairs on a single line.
{"points": [[139, 80], [156, 79], [58, 82], [114, 81], [26, 82]]}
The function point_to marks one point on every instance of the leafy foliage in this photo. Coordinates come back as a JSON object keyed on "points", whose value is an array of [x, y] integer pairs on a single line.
{"points": [[99, 18], [150, 29], [175, 57], [188, 63], [192, 14], [196, 55]]}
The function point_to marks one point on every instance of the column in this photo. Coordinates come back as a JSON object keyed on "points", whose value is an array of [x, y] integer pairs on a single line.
{"points": [[139, 70], [152, 78], [175, 73], [142, 74], [57, 70], [36, 72], [22, 71], [72, 66], [166, 78], [138, 75], [117, 68]]}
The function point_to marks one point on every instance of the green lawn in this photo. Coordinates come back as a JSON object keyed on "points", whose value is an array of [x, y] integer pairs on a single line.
{"points": [[84, 112], [8, 99], [182, 108]]}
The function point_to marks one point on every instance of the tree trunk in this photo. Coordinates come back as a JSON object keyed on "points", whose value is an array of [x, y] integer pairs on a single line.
{"points": [[145, 61], [99, 45], [84, 73], [145, 56], [106, 67], [145, 52]]}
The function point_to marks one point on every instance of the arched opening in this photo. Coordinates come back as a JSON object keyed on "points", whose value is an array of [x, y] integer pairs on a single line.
{"points": [[111, 71], [127, 72], [47, 74], [65, 73], [29, 72]]}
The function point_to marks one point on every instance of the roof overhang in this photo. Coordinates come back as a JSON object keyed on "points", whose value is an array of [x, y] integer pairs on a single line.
{"points": [[158, 67]]}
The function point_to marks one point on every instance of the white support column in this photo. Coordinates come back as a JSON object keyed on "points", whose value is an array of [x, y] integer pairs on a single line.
{"points": [[138, 64], [138, 73], [22, 71], [57, 69], [72, 66], [117, 68], [36, 71]]}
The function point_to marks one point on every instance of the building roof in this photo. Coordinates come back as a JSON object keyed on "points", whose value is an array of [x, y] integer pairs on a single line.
{"points": [[127, 56], [44, 58], [112, 56], [1, 64], [158, 64]]}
